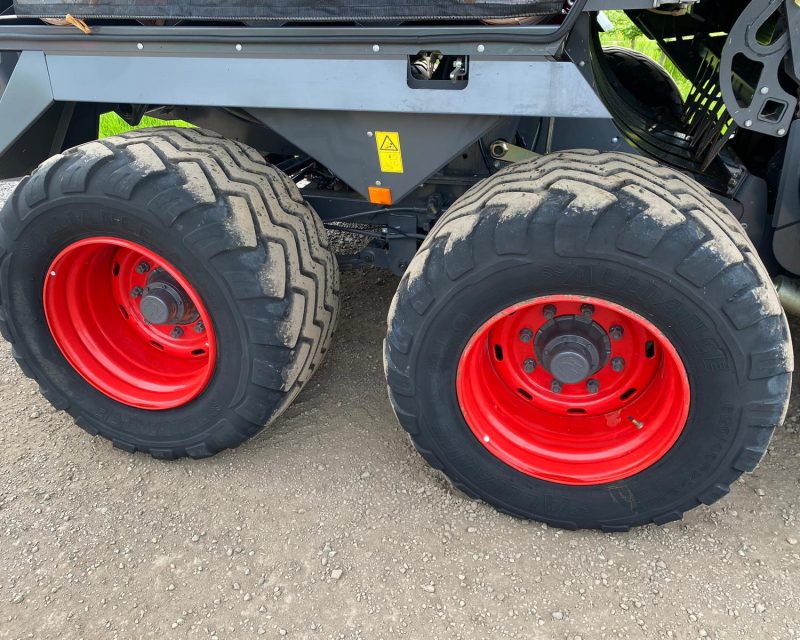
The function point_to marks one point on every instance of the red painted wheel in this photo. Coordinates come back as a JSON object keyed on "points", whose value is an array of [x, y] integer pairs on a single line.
{"points": [[129, 323], [573, 390]]}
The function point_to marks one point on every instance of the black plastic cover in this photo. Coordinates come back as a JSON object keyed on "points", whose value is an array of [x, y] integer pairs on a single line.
{"points": [[289, 10]]}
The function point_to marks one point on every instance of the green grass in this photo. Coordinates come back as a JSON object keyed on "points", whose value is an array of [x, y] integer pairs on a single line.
{"points": [[111, 124]]}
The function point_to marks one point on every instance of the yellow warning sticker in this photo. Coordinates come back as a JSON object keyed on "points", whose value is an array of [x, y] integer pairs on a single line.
{"points": [[390, 152]]}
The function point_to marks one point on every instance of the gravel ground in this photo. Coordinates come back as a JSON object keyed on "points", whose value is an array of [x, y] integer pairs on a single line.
{"points": [[328, 525]]}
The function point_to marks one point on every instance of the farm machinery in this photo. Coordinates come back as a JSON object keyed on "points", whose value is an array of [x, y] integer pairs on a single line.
{"points": [[587, 330]]}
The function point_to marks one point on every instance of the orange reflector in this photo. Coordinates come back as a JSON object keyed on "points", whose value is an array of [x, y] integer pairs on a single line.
{"points": [[380, 195]]}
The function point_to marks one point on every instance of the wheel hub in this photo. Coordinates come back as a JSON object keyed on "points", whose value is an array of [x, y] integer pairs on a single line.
{"points": [[165, 302], [573, 390], [116, 310], [572, 348]]}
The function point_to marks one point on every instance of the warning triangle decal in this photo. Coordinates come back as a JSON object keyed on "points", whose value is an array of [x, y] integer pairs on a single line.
{"points": [[388, 145]]}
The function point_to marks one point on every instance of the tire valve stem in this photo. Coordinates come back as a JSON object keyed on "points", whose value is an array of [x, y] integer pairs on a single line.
{"points": [[637, 423], [177, 332]]}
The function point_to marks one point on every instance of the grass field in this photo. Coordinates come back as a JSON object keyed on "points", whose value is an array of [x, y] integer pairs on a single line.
{"points": [[624, 35]]}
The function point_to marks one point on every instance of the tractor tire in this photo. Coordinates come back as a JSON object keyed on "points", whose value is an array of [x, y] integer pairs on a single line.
{"points": [[647, 85], [167, 288], [589, 340]]}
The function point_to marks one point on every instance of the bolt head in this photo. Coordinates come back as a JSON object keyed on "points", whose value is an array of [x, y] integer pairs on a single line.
{"points": [[176, 333], [529, 366], [526, 335], [616, 332], [556, 386], [549, 312], [764, 91], [618, 364], [142, 267], [587, 310], [137, 292], [781, 132], [200, 327], [593, 386], [748, 123]]}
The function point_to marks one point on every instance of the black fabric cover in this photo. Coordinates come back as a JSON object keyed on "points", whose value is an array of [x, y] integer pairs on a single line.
{"points": [[289, 10]]}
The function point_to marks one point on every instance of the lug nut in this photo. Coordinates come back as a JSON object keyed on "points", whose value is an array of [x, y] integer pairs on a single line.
{"points": [[556, 386], [142, 267], [177, 332], [529, 366], [587, 310], [199, 327], [616, 332], [618, 364], [526, 335], [549, 312], [137, 292], [593, 386]]}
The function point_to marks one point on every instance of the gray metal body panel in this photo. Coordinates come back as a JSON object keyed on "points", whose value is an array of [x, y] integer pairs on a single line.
{"points": [[496, 87], [290, 78]]}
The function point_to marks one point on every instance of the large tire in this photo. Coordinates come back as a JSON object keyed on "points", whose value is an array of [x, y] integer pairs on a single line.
{"points": [[647, 85], [238, 230], [642, 238]]}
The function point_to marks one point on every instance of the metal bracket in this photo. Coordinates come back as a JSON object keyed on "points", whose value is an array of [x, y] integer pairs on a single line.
{"points": [[771, 109]]}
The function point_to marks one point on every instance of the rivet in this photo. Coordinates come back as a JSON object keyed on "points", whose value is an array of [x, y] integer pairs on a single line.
{"points": [[764, 91], [140, 46], [486, 438], [370, 134], [238, 47], [781, 132], [53, 273], [378, 183], [615, 140], [748, 123], [376, 48], [481, 48]]}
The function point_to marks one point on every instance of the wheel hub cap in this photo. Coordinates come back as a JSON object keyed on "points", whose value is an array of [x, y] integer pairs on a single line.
{"points": [[572, 348], [573, 390]]}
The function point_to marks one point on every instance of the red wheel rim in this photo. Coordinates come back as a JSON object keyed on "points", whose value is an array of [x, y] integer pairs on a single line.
{"points": [[92, 296], [615, 423]]}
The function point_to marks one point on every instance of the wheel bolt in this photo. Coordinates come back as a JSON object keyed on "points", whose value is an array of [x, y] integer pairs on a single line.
{"points": [[137, 292], [616, 332], [526, 335], [587, 310], [618, 364], [549, 312], [556, 386], [529, 366], [199, 327], [142, 267], [177, 332], [593, 386]]}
